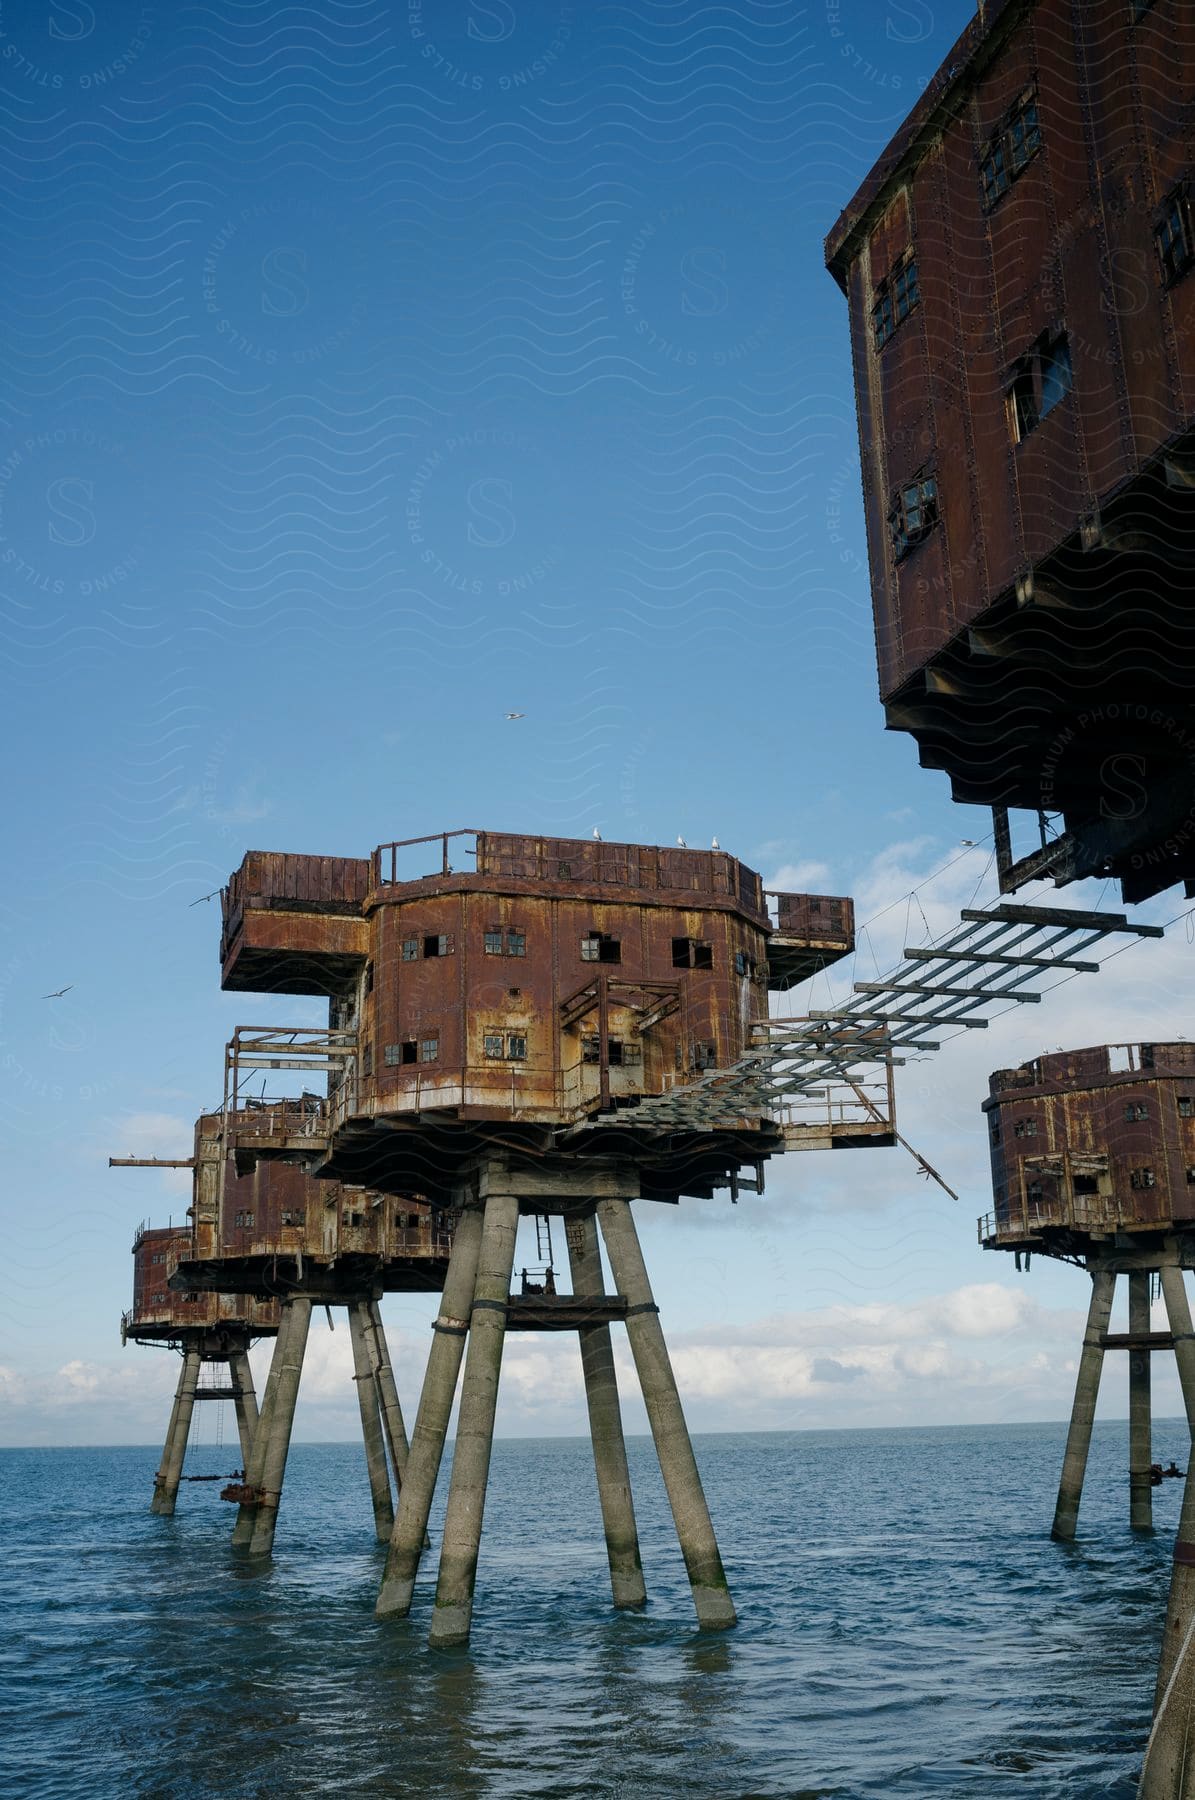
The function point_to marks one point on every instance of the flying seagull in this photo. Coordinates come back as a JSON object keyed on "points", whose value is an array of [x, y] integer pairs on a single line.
{"points": [[58, 992], [204, 897], [967, 843], [516, 715]]}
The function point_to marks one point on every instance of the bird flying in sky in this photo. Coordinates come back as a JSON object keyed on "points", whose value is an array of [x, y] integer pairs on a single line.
{"points": [[58, 992]]}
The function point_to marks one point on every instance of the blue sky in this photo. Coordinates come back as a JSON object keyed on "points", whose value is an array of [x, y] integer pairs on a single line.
{"points": [[375, 372]]}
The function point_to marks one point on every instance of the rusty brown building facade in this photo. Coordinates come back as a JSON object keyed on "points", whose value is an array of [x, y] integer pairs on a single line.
{"points": [[1090, 1144], [519, 987], [1020, 268], [162, 1313]]}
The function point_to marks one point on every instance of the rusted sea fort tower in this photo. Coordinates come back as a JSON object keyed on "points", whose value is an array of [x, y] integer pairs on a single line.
{"points": [[1020, 267], [501, 1007], [1093, 1162], [267, 1241], [208, 1330]]}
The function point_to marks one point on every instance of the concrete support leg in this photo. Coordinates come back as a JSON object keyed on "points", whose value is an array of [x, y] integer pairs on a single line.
{"points": [[242, 1531], [392, 1419], [171, 1472], [245, 1403], [475, 1425], [711, 1596], [277, 1443], [1180, 1608], [431, 1421], [605, 1424], [1141, 1503], [361, 1332], [1087, 1387]]}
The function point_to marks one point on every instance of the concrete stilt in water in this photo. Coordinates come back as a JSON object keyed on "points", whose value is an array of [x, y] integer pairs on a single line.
{"points": [[711, 1595], [392, 1419], [605, 1424], [277, 1441], [170, 1474], [1141, 1511], [1180, 1608], [245, 1403], [431, 1421], [242, 1531], [361, 1332], [1087, 1387], [475, 1425]]}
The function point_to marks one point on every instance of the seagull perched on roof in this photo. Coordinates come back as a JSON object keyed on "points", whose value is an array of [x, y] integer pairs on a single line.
{"points": [[681, 844], [597, 836], [59, 992], [714, 844]]}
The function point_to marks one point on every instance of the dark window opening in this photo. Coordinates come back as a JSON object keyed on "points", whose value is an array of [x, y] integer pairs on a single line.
{"points": [[691, 953], [354, 1220], [369, 978], [703, 1056], [294, 1215], [1191, 1177], [913, 514], [1034, 1192], [1147, 1056], [1041, 381], [1086, 1184], [896, 296], [410, 1051], [1136, 1109], [597, 947], [563, 870], [438, 944], [1025, 1128], [621, 1055], [367, 1060], [1141, 1178], [1010, 149]]}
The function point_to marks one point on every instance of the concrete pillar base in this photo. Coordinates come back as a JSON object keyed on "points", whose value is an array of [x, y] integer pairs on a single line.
{"points": [[1087, 1387]]}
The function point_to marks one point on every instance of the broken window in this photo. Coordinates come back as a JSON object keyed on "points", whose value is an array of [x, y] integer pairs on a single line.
{"points": [[293, 1215], [367, 1060], [354, 1220], [1010, 149], [516, 943], [1141, 1178], [1184, 1107], [620, 1054], [494, 1044], [429, 1049], [744, 964], [1025, 1128], [1147, 1056], [896, 296], [691, 953], [702, 1056], [243, 1220], [516, 1048], [597, 947], [1041, 379], [160, 1299], [1034, 1192], [410, 949], [1087, 1184], [1136, 1109], [564, 870], [493, 943], [913, 513], [439, 944]]}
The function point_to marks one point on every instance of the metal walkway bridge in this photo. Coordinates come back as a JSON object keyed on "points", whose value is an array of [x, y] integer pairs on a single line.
{"points": [[997, 956]]}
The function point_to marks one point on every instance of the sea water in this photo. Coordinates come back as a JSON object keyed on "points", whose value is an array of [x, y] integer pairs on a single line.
{"points": [[906, 1628]]}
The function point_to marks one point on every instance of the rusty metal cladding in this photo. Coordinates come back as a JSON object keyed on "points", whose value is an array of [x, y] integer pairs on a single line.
{"points": [[161, 1313], [1020, 269], [505, 986], [1090, 1145]]}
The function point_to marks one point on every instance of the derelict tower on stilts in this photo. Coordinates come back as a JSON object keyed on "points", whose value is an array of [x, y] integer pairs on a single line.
{"points": [[493, 1031], [208, 1330], [270, 1242]]}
